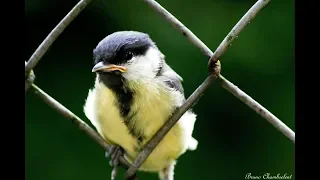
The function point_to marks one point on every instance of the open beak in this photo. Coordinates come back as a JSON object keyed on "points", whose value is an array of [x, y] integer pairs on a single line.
{"points": [[108, 68]]}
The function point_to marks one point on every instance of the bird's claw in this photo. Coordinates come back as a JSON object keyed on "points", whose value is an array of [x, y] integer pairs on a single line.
{"points": [[115, 152]]}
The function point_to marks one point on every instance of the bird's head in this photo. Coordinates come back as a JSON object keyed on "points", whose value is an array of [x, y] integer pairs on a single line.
{"points": [[126, 55]]}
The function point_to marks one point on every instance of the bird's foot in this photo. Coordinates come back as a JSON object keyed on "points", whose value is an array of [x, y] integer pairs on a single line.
{"points": [[115, 152]]}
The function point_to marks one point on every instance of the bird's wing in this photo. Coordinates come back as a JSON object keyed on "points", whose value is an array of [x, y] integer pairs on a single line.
{"points": [[172, 79], [175, 84]]}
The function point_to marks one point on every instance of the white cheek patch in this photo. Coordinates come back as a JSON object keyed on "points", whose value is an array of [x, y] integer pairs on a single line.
{"points": [[145, 67]]}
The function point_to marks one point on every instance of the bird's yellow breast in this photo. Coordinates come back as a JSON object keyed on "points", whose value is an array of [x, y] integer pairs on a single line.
{"points": [[153, 105]]}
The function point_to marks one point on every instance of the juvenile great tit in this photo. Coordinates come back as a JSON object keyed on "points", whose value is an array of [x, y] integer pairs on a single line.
{"points": [[134, 93]]}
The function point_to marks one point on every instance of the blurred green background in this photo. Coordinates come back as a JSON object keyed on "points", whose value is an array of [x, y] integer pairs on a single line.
{"points": [[233, 139]]}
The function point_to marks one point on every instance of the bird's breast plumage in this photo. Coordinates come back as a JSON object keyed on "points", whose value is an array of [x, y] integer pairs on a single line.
{"points": [[152, 104]]}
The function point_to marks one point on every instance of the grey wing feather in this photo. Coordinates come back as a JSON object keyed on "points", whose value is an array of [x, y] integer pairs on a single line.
{"points": [[175, 84], [172, 79]]}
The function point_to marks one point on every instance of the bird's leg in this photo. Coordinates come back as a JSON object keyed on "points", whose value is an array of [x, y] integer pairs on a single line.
{"points": [[167, 172], [115, 152]]}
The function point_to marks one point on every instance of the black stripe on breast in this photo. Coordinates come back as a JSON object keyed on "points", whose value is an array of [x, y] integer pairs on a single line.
{"points": [[125, 98]]}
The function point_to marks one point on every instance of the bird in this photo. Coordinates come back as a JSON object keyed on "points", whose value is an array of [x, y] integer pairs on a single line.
{"points": [[134, 93]]}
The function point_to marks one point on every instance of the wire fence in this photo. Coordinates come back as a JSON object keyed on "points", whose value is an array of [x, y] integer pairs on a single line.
{"points": [[214, 68]]}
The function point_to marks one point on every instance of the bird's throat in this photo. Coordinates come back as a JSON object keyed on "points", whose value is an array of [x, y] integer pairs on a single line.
{"points": [[117, 84], [124, 95]]}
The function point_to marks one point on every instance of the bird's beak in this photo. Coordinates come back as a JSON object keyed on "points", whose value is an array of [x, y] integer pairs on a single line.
{"points": [[108, 68]]}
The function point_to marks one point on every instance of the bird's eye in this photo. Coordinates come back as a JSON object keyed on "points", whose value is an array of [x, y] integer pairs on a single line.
{"points": [[128, 55]]}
